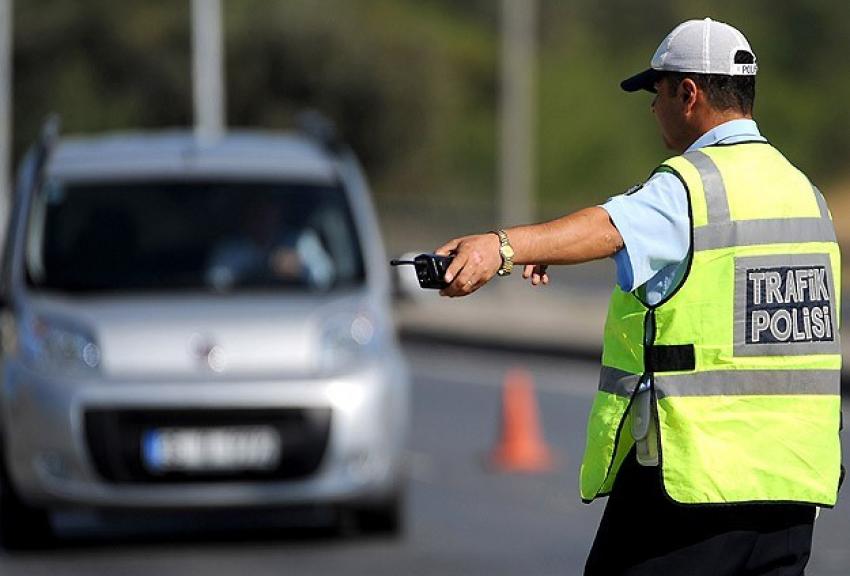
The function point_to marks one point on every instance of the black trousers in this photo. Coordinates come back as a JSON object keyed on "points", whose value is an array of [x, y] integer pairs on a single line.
{"points": [[643, 532]]}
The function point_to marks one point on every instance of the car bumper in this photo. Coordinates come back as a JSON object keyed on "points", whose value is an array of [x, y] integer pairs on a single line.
{"points": [[51, 462]]}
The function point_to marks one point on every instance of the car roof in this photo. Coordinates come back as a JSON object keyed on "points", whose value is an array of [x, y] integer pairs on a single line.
{"points": [[179, 154]]}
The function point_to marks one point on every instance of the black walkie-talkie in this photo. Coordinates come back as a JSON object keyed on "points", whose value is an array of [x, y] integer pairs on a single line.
{"points": [[430, 269]]}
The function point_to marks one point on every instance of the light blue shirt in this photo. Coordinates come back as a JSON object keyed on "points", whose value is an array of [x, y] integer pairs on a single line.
{"points": [[653, 221]]}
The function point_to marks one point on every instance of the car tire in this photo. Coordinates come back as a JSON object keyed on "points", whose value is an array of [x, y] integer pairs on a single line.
{"points": [[22, 527], [384, 518]]}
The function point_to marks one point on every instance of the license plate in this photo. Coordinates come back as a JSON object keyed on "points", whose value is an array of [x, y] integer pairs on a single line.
{"points": [[225, 449]]}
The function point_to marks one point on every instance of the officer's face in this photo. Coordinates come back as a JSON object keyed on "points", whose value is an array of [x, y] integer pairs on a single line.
{"points": [[669, 111]]}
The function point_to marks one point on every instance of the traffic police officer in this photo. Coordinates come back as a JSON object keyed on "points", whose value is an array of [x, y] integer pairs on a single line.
{"points": [[715, 428]]}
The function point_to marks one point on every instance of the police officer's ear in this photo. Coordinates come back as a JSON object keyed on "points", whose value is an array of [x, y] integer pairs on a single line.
{"points": [[688, 91]]}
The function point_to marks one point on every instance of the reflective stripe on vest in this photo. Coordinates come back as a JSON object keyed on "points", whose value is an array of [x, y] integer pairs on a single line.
{"points": [[722, 232], [753, 414], [726, 382]]}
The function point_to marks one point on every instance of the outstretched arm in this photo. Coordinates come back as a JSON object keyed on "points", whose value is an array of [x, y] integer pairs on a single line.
{"points": [[579, 237]]}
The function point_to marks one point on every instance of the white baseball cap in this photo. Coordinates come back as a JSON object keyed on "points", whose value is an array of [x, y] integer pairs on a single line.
{"points": [[700, 46]]}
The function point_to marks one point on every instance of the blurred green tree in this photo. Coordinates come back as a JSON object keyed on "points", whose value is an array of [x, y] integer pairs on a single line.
{"points": [[413, 85]]}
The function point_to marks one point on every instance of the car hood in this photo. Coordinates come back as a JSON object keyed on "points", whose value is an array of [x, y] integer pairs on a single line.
{"points": [[203, 336]]}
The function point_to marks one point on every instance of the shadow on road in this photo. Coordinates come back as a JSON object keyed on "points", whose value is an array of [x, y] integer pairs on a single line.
{"points": [[140, 531]]}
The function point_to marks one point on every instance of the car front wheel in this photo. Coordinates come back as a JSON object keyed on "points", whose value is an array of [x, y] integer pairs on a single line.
{"points": [[22, 527], [384, 518]]}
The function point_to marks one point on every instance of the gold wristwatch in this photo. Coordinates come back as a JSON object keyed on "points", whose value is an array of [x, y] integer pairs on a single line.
{"points": [[506, 251]]}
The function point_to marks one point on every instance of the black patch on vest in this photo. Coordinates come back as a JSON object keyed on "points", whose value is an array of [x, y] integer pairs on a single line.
{"points": [[669, 357]]}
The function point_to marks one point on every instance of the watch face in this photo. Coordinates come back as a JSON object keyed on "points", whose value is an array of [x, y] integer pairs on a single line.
{"points": [[507, 252]]}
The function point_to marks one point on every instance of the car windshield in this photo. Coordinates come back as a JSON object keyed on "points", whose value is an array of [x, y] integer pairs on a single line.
{"points": [[197, 236]]}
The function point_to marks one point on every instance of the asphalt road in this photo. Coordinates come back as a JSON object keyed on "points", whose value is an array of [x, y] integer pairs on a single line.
{"points": [[464, 518]]}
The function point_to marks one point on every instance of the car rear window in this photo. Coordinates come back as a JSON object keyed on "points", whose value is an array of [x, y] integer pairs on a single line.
{"points": [[198, 236]]}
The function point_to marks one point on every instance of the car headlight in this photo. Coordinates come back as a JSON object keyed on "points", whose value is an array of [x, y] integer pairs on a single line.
{"points": [[347, 339], [53, 346]]}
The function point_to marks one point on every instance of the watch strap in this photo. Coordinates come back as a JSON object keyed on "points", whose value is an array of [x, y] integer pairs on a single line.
{"points": [[506, 251]]}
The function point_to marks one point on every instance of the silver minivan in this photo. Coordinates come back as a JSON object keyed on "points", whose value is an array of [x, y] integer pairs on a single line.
{"points": [[197, 324]]}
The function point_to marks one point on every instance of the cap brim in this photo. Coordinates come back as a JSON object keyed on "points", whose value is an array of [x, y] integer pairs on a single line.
{"points": [[642, 81]]}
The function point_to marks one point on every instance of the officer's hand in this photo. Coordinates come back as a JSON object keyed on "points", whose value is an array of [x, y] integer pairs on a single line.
{"points": [[537, 273], [476, 260]]}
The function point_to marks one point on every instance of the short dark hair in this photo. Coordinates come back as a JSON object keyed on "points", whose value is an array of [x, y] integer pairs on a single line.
{"points": [[723, 92]]}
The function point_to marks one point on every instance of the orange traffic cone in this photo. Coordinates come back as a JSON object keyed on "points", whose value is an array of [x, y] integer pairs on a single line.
{"points": [[521, 447]]}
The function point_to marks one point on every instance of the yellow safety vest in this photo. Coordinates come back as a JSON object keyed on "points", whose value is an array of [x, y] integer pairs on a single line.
{"points": [[743, 358]]}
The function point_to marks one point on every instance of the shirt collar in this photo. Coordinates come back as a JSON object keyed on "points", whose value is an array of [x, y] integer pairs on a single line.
{"points": [[733, 130]]}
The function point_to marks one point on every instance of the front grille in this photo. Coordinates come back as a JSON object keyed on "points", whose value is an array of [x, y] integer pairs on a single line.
{"points": [[114, 439]]}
